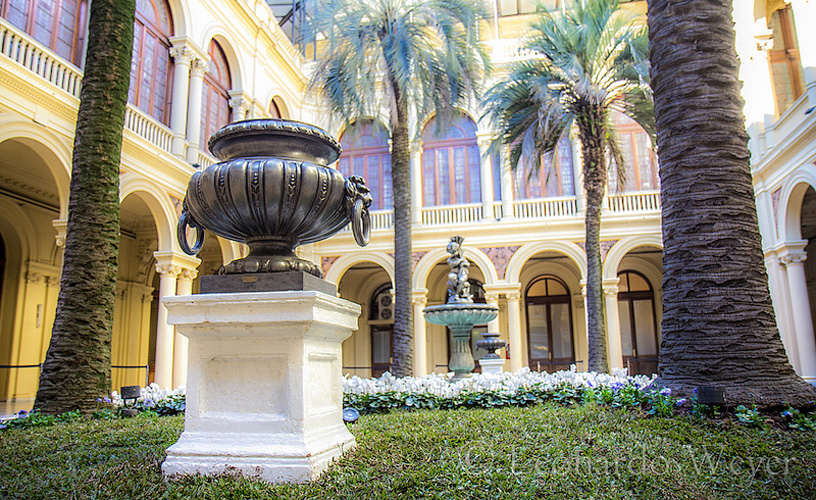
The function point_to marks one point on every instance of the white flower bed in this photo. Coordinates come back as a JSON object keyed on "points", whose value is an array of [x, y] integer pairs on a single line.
{"points": [[444, 386], [151, 394]]}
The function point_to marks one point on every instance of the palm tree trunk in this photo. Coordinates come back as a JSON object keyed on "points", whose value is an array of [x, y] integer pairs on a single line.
{"points": [[592, 135], [718, 322], [77, 367], [403, 348]]}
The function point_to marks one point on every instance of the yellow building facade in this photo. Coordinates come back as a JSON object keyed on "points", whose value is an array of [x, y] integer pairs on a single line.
{"points": [[199, 65]]}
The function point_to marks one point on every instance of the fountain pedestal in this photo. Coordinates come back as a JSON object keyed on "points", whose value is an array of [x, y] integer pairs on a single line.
{"points": [[264, 386]]}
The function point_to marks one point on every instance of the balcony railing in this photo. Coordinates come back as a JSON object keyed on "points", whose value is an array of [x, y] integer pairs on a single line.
{"points": [[639, 201], [32, 55], [205, 159], [538, 209], [38, 59], [545, 208], [451, 214], [148, 128]]}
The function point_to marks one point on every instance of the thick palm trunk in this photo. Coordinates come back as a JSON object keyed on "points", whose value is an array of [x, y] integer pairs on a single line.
{"points": [[77, 366], [718, 322], [592, 134], [403, 348]]}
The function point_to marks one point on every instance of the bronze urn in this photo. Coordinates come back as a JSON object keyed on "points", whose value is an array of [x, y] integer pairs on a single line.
{"points": [[273, 190]]}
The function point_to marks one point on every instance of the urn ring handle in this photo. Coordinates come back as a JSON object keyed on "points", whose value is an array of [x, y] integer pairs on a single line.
{"points": [[358, 200], [186, 220]]}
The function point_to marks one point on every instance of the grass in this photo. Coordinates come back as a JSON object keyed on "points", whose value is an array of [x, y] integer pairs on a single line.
{"points": [[547, 451]]}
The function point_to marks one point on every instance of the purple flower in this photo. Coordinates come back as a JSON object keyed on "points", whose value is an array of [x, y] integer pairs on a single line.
{"points": [[616, 386], [665, 391], [787, 413], [590, 384], [149, 403], [107, 399], [681, 401], [22, 414]]}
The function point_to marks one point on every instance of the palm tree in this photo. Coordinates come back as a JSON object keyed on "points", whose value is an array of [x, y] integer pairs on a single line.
{"points": [[77, 367], [392, 59], [718, 321], [590, 60]]}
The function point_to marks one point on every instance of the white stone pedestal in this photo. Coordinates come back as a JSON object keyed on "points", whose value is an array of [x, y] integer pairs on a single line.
{"points": [[264, 384], [492, 365]]}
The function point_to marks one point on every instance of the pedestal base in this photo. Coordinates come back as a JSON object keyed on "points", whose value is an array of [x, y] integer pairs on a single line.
{"points": [[264, 384], [495, 365]]}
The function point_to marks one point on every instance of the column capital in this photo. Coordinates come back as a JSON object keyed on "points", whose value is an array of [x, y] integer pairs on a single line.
{"points": [[169, 270], [419, 296], [188, 274], [610, 290], [198, 68], [792, 258], [174, 258], [514, 295], [484, 141], [182, 54], [415, 146], [61, 226]]}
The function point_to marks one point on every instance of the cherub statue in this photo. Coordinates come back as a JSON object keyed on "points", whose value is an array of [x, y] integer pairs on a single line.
{"points": [[458, 286]]}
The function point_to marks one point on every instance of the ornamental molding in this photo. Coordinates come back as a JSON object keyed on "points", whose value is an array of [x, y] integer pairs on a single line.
{"points": [[793, 258], [188, 274], [169, 270], [182, 54]]}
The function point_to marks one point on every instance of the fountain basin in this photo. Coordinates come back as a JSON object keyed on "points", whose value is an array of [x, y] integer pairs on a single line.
{"points": [[460, 318], [461, 314]]}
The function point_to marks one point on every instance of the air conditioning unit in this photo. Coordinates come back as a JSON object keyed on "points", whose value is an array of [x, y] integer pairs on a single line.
{"points": [[386, 306]]}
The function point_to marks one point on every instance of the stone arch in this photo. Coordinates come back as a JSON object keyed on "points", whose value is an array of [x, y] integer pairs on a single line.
{"points": [[472, 115], [523, 254], [624, 246], [180, 11], [280, 102], [432, 258], [790, 203], [346, 262], [14, 229], [53, 150], [236, 66], [164, 215]]}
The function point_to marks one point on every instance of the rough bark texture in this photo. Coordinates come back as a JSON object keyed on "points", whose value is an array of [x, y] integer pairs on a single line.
{"points": [[77, 366], [718, 323], [403, 348], [591, 131]]}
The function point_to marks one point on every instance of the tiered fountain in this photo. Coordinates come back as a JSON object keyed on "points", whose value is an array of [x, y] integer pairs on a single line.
{"points": [[460, 313]]}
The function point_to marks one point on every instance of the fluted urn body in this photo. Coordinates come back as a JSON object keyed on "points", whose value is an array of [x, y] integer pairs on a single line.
{"points": [[273, 190]]}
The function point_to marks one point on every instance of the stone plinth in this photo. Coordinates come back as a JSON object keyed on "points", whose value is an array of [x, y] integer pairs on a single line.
{"points": [[264, 385], [491, 365]]}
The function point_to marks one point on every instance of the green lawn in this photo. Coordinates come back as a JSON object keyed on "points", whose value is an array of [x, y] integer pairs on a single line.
{"points": [[540, 452]]}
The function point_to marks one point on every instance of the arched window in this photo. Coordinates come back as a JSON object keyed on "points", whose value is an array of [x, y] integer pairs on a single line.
{"points": [[786, 66], [554, 176], [549, 325], [366, 153], [57, 24], [638, 323], [274, 110], [150, 65], [215, 108], [640, 163], [381, 316], [450, 164]]}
